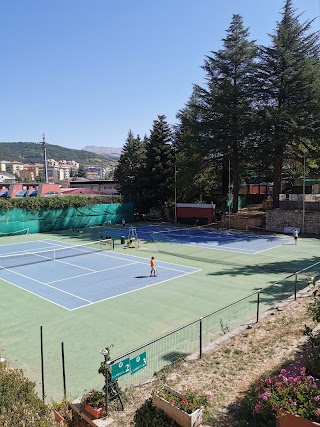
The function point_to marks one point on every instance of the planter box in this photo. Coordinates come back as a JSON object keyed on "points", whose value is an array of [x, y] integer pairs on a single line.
{"points": [[96, 413], [285, 419], [59, 418], [179, 416]]}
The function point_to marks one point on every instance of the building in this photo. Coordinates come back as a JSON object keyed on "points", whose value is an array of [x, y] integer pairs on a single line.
{"points": [[14, 167], [107, 187], [29, 173], [7, 177]]}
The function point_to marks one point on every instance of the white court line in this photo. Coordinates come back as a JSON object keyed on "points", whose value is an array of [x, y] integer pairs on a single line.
{"points": [[75, 265], [39, 296], [42, 283], [92, 272], [134, 290], [122, 257], [263, 250]]}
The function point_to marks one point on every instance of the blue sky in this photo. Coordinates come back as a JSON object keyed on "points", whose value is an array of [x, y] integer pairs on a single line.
{"points": [[85, 72]]}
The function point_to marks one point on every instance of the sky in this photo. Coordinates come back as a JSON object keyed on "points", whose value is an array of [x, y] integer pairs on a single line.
{"points": [[85, 72]]}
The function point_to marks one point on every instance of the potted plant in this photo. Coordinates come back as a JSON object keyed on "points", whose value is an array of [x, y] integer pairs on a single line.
{"points": [[294, 399], [62, 412], [94, 402], [184, 408]]}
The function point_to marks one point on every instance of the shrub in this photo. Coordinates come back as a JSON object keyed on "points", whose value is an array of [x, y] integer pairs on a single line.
{"points": [[150, 416], [299, 395], [19, 404]]}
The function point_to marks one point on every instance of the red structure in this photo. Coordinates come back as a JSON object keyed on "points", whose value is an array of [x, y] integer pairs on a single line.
{"points": [[196, 214]]}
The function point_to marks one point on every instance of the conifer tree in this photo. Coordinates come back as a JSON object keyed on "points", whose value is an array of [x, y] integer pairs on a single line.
{"points": [[225, 108], [129, 171], [290, 93], [159, 170]]}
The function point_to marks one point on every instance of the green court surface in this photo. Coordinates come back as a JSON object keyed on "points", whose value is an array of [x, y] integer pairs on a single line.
{"points": [[132, 319]]}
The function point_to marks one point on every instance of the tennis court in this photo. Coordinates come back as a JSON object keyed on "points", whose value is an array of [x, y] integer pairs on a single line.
{"points": [[76, 276], [106, 297], [230, 241]]}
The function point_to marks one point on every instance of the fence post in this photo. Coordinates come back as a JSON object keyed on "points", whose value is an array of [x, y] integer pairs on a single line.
{"points": [[63, 372], [258, 306], [42, 368], [200, 338], [295, 286]]}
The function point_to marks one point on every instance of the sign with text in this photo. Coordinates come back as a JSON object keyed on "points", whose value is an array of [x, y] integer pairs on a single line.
{"points": [[119, 369], [138, 362]]}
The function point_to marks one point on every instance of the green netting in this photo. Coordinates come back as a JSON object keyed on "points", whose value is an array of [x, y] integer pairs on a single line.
{"points": [[63, 219]]}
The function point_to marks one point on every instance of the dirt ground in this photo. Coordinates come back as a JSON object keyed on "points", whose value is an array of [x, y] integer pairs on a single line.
{"points": [[227, 371]]}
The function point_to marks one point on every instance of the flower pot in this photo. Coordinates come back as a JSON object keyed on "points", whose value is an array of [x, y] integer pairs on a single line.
{"points": [[58, 417], [176, 414], [285, 419], [96, 413]]}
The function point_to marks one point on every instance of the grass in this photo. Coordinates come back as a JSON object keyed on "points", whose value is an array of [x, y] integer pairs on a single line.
{"points": [[229, 370]]}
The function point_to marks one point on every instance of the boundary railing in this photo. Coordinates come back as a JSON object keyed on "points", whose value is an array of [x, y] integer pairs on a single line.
{"points": [[193, 337]]}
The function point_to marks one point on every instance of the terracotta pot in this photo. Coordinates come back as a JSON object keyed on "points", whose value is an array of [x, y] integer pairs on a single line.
{"points": [[96, 413], [285, 419], [176, 414], [58, 417]]}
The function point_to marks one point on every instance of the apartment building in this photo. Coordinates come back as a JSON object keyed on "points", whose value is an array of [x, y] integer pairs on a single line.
{"points": [[14, 167]]}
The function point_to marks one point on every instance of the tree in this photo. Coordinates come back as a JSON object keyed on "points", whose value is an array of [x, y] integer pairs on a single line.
{"points": [[159, 169], [81, 173], [129, 171], [290, 93], [225, 109]]}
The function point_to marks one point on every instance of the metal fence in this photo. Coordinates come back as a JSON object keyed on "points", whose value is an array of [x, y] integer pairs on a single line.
{"points": [[195, 336]]}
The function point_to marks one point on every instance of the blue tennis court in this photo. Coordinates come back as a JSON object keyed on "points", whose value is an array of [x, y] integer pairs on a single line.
{"points": [[77, 276], [247, 243]]}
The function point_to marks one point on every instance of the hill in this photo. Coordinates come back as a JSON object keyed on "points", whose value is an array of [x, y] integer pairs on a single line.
{"points": [[112, 152], [30, 152]]}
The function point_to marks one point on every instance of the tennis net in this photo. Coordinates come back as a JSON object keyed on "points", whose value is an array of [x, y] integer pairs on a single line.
{"points": [[26, 258]]}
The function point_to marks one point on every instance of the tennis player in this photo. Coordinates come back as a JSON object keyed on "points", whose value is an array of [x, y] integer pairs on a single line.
{"points": [[295, 236], [153, 267]]}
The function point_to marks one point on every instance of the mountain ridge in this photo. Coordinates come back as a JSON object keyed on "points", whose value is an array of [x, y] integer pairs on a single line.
{"points": [[30, 152], [111, 152]]}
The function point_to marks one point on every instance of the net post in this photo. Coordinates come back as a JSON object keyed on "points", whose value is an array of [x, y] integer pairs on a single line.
{"points": [[200, 337], [295, 285]]}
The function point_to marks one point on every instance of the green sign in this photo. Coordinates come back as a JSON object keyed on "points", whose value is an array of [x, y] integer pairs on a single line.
{"points": [[138, 362], [119, 369]]}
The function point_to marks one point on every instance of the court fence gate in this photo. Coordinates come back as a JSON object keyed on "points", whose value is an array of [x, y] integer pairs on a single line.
{"points": [[193, 337]]}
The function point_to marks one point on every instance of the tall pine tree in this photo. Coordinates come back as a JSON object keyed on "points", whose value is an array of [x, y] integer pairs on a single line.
{"points": [[159, 170], [129, 171], [225, 108], [290, 93]]}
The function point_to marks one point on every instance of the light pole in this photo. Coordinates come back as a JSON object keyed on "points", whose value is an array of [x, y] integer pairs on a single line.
{"points": [[229, 195], [175, 193], [45, 158], [303, 191]]}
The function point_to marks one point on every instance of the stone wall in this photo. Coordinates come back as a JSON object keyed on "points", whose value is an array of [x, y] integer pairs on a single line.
{"points": [[277, 219], [243, 222]]}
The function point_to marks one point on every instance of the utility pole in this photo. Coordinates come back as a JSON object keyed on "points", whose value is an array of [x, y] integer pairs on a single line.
{"points": [[45, 158]]}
